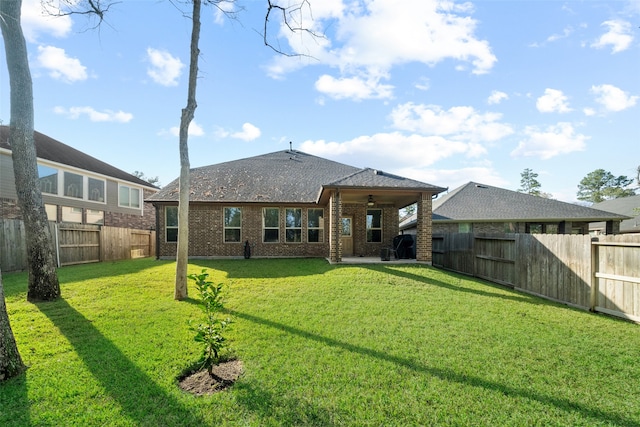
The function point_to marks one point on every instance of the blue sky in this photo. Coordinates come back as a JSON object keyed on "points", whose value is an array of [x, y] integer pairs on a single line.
{"points": [[442, 92]]}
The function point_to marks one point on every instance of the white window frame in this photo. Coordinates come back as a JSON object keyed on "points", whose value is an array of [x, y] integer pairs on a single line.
{"points": [[129, 188], [172, 227], [371, 228], [295, 228], [319, 229], [229, 227], [265, 228]]}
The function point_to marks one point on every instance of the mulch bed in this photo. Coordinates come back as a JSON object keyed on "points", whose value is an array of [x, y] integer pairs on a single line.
{"points": [[201, 383]]}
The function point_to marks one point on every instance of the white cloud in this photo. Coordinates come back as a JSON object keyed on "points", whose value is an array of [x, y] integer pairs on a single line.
{"points": [[460, 123], [619, 36], [249, 133], [61, 66], [36, 19], [565, 33], [553, 101], [369, 38], [355, 88], [165, 69], [551, 142], [391, 149], [423, 84], [94, 115], [497, 97], [613, 98], [194, 130], [453, 178]]}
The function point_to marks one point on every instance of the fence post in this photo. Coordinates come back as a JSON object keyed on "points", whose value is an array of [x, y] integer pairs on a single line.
{"points": [[57, 243], [594, 285]]}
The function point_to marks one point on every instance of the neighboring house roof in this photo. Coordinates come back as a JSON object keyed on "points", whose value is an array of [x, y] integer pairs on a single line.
{"points": [[50, 149], [474, 202], [281, 177], [628, 206]]}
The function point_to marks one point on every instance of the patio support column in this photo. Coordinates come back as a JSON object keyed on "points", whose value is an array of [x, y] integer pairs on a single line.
{"points": [[335, 226], [424, 233]]}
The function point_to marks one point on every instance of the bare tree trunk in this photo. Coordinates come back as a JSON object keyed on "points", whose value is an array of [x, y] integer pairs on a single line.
{"points": [[10, 360], [182, 257], [43, 278]]}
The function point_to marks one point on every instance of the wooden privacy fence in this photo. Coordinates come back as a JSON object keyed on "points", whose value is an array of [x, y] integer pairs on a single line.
{"points": [[76, 244], [602, 274]]}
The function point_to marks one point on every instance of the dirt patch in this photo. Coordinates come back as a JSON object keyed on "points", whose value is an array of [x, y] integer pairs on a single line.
{"points": [[200, 382]]}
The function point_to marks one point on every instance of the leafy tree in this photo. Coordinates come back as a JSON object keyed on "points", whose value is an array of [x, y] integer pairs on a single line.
{"points": [[153, 180], [209, 330], [43, 278], [10, 360], [408, 210], [529, 182], [601, 185]]}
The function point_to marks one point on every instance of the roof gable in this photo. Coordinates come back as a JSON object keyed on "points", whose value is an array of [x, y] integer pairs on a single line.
{"points": [[50, 149], [375, 178]]}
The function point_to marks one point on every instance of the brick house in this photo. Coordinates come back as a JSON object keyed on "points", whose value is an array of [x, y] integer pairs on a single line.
{"points": [[479, 208], [292, 204], [78, 188]]}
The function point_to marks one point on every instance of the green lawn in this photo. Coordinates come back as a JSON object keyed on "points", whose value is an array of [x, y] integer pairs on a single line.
{"points": [[321, 345]]}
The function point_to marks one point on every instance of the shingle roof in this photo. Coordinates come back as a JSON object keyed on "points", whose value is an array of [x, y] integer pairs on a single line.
{"points": [[479, 202], [629, 206], [50, 149], [375, 178], [280, 177]]}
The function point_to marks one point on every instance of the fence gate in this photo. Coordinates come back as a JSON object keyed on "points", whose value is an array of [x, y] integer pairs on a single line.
{"points": [[616, 276], [78, 244]]}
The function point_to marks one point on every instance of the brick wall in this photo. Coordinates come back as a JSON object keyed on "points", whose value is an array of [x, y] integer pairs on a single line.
{"points": [[206, 234], [9, 209], [424, 233]]}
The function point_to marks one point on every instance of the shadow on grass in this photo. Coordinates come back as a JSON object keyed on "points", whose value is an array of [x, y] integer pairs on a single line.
{"points": [[139, 398], [449, 285], [449, 375], [265, 268], [17, 282], [14, 402], [286, 411]]}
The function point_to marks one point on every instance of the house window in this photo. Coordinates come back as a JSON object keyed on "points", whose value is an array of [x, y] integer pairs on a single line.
{"points": [[171, 223], [271, 225], [510, 227], [374, 225], [95, 217], [73, 185], [232, 224], [48, 179], [535, 228], [129, 197], [70, 214], [96, 190], [315, 225], [464, 227], [52, 212], [293, 225]]}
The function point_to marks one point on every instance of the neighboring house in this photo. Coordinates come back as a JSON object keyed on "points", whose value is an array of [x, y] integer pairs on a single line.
{"points": [[292, 204], [479, 208], [78, 188], [627, 206]]}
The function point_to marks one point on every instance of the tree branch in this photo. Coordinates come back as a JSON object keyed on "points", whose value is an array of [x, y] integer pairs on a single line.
{"points": [[287, 16]]}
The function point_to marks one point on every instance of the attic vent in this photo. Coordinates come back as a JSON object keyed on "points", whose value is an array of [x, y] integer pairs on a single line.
{"points": [[481, 186], [377, 172]]}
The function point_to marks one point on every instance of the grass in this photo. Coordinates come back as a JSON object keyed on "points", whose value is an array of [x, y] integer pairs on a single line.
{"points": [[322, 345]]}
